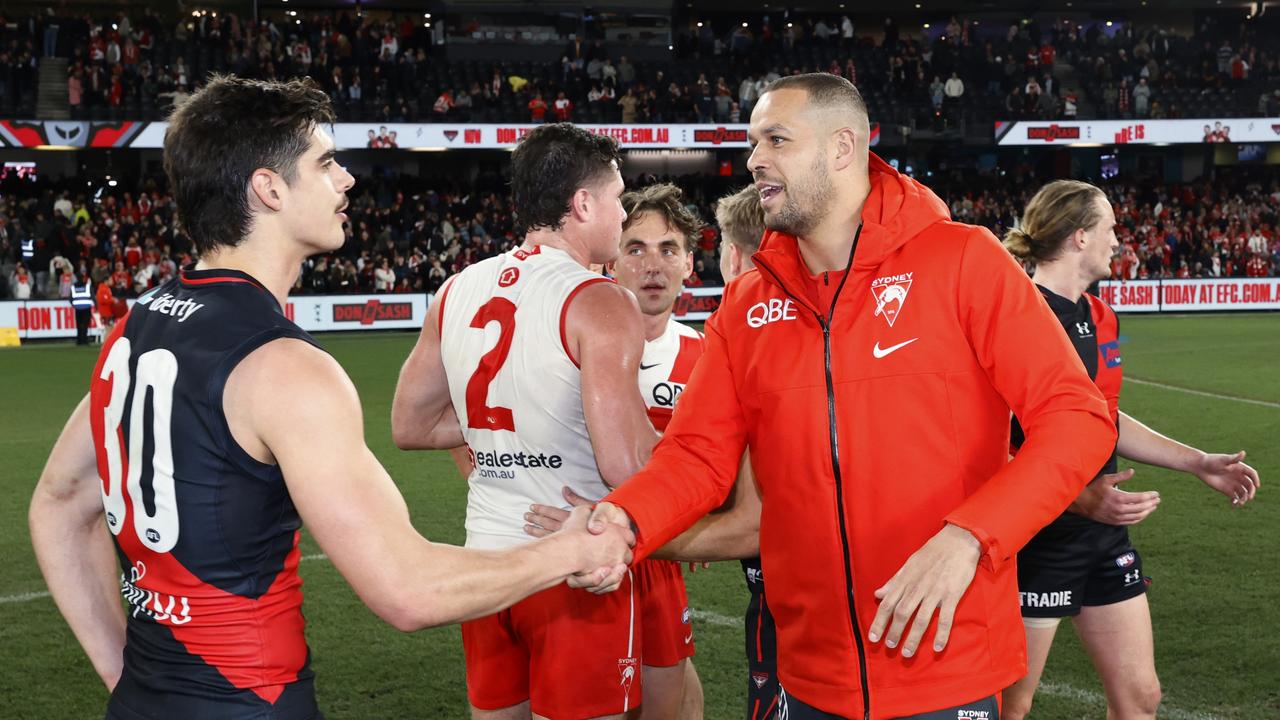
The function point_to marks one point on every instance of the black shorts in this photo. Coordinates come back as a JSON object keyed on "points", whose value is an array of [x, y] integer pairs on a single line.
{"points": [[762, 648], [1076, 562], [987, 708]]}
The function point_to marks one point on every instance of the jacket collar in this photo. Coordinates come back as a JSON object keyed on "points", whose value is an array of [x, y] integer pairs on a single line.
{"points": [[897, 210]]}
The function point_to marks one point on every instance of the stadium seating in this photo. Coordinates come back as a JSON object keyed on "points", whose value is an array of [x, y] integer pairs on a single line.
{"points": [[430, 228], [1219, 71]]}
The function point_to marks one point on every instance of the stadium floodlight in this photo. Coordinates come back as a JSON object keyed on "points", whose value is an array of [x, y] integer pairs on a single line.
{"points": [[926, 26]]}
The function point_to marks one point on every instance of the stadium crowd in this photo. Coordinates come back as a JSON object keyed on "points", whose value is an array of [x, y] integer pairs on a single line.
{"points": [[382, 68], [408, 234]]}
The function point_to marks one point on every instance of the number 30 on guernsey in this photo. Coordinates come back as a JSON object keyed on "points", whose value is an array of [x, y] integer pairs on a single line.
{"points": [[157, 370]]}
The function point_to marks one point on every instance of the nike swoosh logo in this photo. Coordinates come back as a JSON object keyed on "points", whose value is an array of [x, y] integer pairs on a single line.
{"points": [[688, 638], [879, 353], [646, 367]]}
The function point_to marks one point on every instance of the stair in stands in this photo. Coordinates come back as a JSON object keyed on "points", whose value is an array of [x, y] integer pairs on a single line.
{"points": [[51, 97]]}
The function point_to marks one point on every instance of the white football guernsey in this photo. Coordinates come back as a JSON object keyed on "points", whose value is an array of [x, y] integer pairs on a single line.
{"points": [[668, 362], [515, 388]]}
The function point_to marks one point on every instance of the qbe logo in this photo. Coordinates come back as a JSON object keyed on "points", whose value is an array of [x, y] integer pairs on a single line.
{"points": [[373, 311], [772, 310]]}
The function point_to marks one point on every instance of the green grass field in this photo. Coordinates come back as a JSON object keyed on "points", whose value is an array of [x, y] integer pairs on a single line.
{"points": [[1214, 597]]}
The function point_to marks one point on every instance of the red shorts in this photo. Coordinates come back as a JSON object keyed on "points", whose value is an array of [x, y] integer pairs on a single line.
{"points": [[666, 635], [570, 653]]}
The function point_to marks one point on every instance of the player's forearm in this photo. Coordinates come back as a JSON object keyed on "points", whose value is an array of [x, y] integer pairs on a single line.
{"points": [[731, 533], [456, 584], [1142, 444], [79, 567], [417, 427], [718, 536], [624, 452]]}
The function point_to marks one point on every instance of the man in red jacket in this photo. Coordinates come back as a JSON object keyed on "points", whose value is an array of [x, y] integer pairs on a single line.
{"points": [[869, 362]]}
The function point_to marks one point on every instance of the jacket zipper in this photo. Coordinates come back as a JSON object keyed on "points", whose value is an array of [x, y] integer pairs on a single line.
{"points": [[825, 323]]}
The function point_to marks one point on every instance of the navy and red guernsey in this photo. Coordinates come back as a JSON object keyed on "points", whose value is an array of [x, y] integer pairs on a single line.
{"points": [[207, 536], [1094, 332]]}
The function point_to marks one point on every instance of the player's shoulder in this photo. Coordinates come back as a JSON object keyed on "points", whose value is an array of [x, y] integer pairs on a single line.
{"points": [[477, 272], [1099, 309], [596, 294], [602, 309], [290, 367]]}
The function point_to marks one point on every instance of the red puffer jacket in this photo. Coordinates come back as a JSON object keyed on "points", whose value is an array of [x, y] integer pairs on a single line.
{"points": [[872, 423]]}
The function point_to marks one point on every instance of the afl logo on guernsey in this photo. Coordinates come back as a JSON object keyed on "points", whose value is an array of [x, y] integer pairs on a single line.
{"points": [[1110, 353], [508, 277]]}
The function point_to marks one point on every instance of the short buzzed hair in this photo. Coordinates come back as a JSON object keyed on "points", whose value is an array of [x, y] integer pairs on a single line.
{"points": [[741, 219], [827, 92], [668, 201]]}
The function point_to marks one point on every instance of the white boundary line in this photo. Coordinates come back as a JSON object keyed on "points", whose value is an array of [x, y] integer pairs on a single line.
{"points": [[1202, 393], [24, 597], [42, 594], [1099, 701]]}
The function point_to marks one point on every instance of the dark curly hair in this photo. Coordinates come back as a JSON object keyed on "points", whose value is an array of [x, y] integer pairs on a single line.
{"points": [[227, 130], [549, 166]]}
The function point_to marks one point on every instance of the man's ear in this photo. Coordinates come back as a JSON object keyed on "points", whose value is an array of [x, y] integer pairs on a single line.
{"points": [[580, 205], [1078, 239], [735, 259], [846, 147], [267, 187]]}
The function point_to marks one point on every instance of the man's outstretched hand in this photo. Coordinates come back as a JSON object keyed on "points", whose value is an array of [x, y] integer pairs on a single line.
{"points": [[605, 520]]}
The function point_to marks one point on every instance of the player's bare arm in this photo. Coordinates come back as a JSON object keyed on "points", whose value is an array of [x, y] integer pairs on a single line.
{"points": [[73, 546], [605, 334], [422, 415], [731, 533], [1228, 474], [292, 404]]}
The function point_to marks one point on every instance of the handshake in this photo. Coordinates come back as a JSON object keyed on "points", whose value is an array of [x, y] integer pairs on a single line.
{"points": [[601, 539]]}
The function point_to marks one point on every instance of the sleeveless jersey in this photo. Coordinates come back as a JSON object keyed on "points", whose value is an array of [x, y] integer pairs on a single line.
{"points": [[1094, 332], [516, 389], [207, 535], [667, 364]]}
